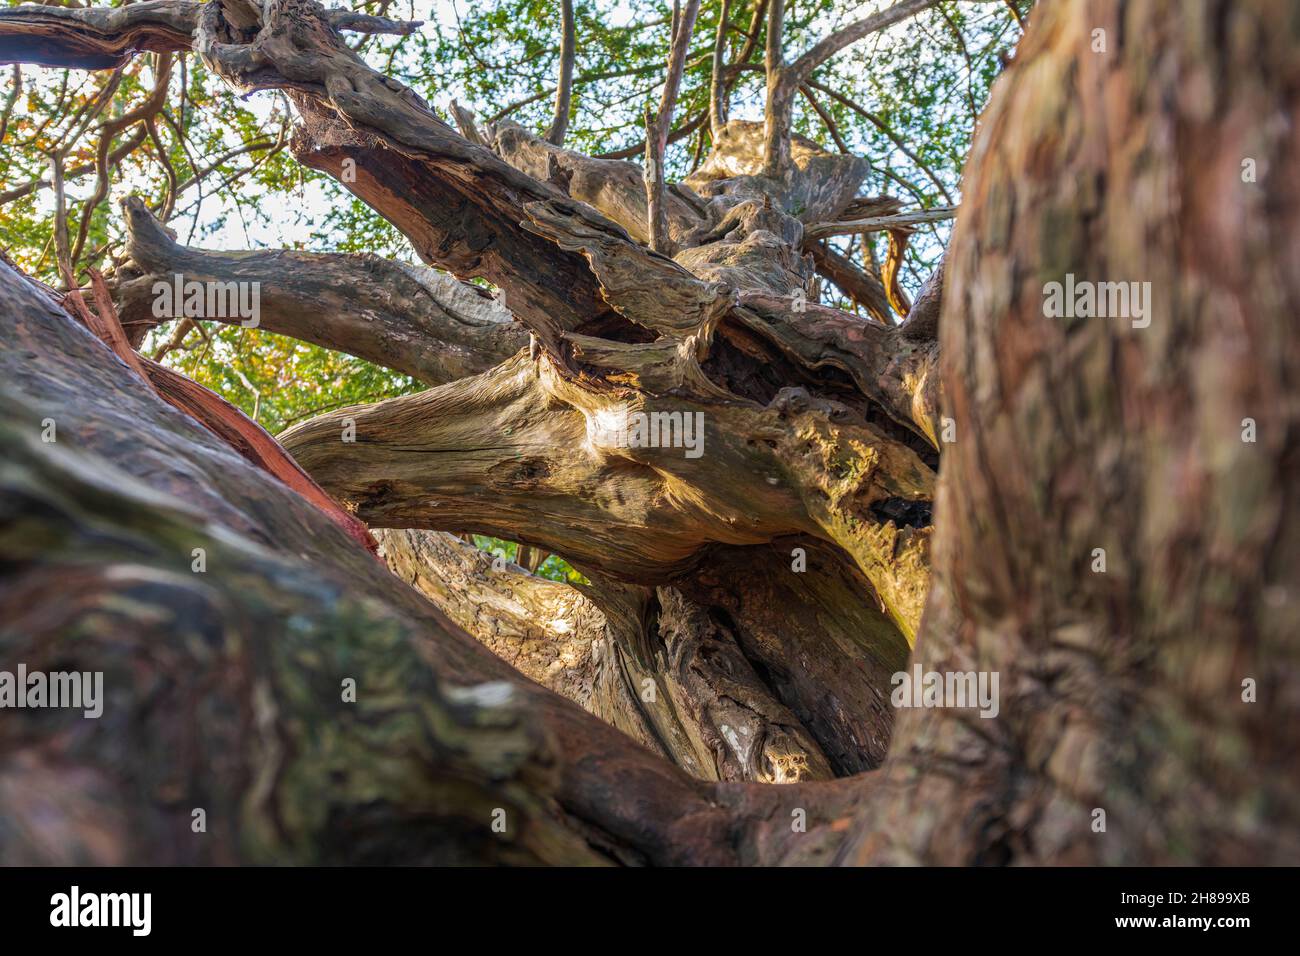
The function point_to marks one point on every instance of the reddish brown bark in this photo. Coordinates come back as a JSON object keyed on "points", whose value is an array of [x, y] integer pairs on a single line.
{"points": [[1121, 689]]}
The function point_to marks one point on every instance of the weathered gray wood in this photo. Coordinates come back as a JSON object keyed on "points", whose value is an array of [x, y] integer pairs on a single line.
{"points": [[408, 318], [649, 661]]}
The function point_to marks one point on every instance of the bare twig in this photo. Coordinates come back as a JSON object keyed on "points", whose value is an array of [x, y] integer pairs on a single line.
{"points": [[128, 145], [10, 100], [183, 328], [718, 80], [881, 125], [57, 111], [837, 41], [732, 73], [821, 230], [87, 113], [677, 135], [784, 81], [698, 156], [173, 181], [965, 52], [827, 120], [657, 128], [110, 129]]}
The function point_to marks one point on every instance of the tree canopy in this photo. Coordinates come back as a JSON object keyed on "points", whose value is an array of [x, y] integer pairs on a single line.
{"points": [[214, 165]]}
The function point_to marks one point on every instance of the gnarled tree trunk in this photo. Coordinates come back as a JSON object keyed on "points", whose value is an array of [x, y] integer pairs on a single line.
{"points": [[748, 605]]}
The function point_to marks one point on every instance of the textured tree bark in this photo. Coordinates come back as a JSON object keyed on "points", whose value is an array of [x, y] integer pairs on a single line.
{"points": [[544, 629], [1121, 690], [287, 627], [219, 683], [747, 692], [102, 38], [521, 452], [410, 319], [831, 464]]}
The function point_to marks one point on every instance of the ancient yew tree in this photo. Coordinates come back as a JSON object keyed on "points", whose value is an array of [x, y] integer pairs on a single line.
{"points": [[779, 472]]}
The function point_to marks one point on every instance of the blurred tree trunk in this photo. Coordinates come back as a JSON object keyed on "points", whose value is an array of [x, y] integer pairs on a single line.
{"points": [[1114, 149]]}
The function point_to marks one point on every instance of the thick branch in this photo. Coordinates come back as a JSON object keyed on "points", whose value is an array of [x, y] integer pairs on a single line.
{"points": [[103, 38], [546, 630], [523, 452], [863, 287], [780, 95], [564, 88], [407, 318], [922, 322], [613, 187], [94, 38], [460, 204], [899, 375], [653, 665], [572, 269], [101, 526]]}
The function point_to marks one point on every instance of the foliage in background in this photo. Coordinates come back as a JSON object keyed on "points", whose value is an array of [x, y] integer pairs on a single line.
{"points": [[217, 165], [555, 568]]}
